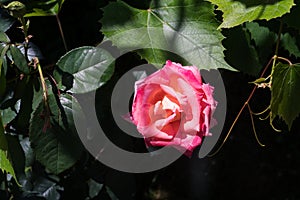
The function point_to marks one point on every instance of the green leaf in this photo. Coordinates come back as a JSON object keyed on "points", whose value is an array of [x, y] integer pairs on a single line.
{"points": [[5, 164], [57, 147], [89, 67], [187, 28], [6, 21], [25, 111], [19, 59], [2, 82], [285, 92], [289, 43], [4, 37], [236, 12], [3, 141], [246, 61], [47, 188], [263, 38], [9, 114], [16, 154], [45, 8]]}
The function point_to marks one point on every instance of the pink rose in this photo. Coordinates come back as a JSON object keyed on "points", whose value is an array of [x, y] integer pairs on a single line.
{"points": [[172, 107]]}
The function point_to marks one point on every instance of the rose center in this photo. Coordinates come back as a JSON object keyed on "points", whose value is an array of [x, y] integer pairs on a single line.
{"points": [[167, 109]]}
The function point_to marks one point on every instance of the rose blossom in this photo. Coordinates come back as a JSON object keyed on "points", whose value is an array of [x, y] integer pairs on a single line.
{"points": [[172, 107]]}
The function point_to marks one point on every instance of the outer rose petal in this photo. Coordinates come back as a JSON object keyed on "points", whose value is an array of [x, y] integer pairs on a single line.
{"points": [[172, 107]]}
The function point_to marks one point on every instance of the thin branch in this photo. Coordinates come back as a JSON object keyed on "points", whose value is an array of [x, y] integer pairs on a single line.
{"points": [[61, 32], [253, 126]]}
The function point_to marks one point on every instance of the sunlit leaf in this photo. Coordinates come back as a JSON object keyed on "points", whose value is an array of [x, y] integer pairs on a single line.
{"points": [[285, 92], [5, 165], [4, 37], [186, 28], [43, 8], [85, 69], [236, 12]]}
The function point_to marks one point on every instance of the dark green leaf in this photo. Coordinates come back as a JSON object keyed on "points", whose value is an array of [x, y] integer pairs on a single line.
{"points": [[2, 82], [236, 12], [241, 55], [9, 114], [19, 59], [263, 38], [3, 51], [186, 28], [94, 188], [16, 154], [29, 155], [25, 111], [58, 146], [47, 189], [289, 43], [3, 141], [90, 67], [6, 21], [285, 92]]}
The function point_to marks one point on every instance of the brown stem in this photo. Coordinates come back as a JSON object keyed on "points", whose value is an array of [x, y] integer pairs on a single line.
{"points": [[241, 110], [61, 32]]}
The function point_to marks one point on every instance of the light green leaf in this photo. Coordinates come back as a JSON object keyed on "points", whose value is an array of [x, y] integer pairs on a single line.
{"points": [[289, 43], [44, 8], [57, 146], [4, 37], [187, 28], [19, 59], [236, 12], [285, 92], [5, 165], [89, 67]]}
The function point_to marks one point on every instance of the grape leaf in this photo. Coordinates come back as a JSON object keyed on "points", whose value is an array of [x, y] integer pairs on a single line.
{"points": [[187, 28], [246, 61], [289, 43], [58, 148], [285, 92], [89, 67], [263, 38], [236, 12]]}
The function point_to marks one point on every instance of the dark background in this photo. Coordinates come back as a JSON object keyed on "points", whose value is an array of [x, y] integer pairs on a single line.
{"points": [[241, 170]]}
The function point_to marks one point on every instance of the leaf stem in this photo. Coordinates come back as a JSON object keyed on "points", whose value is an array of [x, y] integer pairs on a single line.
{"points": [[253, 126], [274, 58], [47, 111], [241, 110], [61, 32]]}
